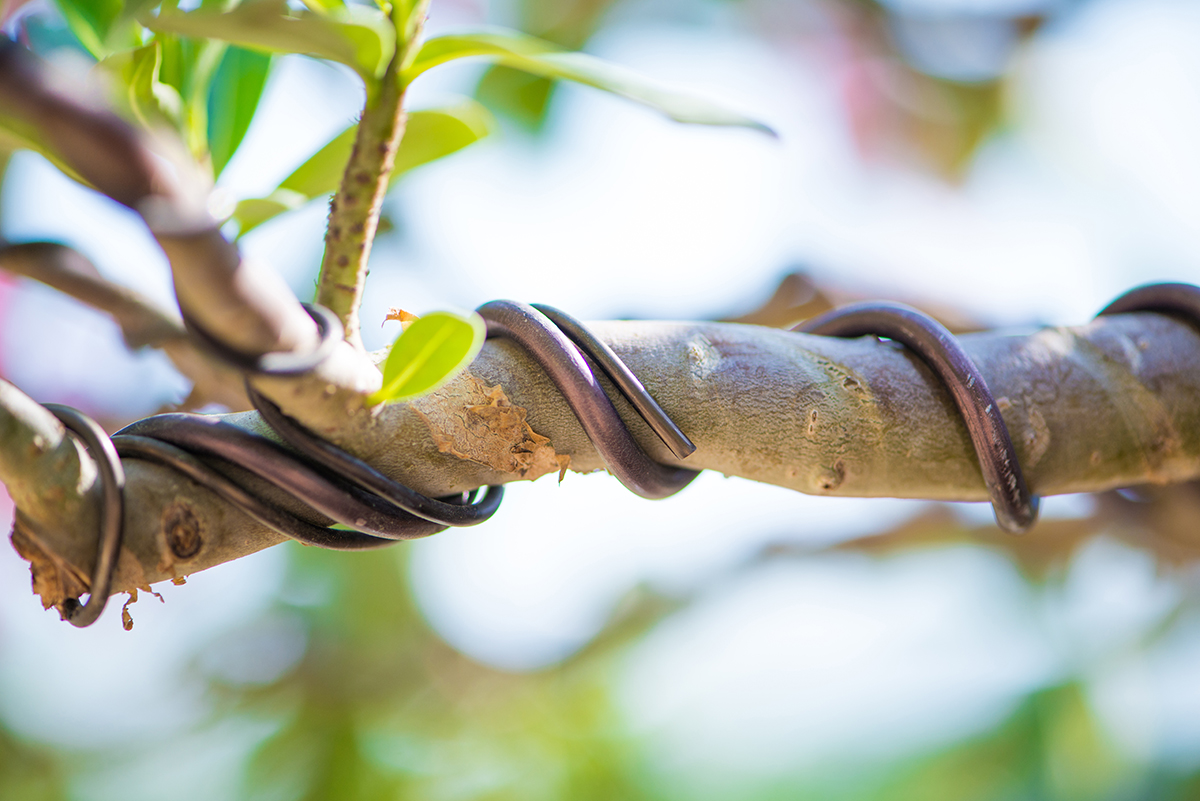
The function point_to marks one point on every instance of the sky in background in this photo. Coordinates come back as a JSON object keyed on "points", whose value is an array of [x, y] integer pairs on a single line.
{"points": [[1089, 190]]}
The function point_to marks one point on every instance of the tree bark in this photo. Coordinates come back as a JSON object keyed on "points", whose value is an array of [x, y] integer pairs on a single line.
{"points": [[1113, 403]]}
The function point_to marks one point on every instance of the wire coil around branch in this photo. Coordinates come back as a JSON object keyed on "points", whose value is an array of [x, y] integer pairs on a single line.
{"points": [[1014, 506], [370, 509], [373, 510]]}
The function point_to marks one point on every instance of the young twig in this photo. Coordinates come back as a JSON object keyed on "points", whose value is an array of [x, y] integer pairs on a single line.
{"points": [[245, 304], [354, 210], [143, 323]]}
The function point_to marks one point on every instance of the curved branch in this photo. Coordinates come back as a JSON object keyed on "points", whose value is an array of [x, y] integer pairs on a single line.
{"points": [[1113, 403], [249, 304], [63, 268], [143, 323], [246, 303]]}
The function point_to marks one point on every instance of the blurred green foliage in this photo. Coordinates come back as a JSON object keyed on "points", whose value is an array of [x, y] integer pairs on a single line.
{"points": [[379, 707], [525, 98], [30, 772]]}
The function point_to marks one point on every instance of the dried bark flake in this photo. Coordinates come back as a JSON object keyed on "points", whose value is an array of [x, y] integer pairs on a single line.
{"points": [[473, 421]]}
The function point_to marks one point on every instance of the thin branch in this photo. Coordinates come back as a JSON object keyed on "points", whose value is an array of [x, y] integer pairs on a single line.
{"points": [[1113, 403], [63, 268], [355, 208], [246, 303], [143, 323]]}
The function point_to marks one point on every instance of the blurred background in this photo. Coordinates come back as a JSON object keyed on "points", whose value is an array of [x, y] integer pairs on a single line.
{"points": [[1004, 163]]}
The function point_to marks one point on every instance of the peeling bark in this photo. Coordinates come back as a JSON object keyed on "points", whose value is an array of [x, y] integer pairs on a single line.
{"points": [[473, 421]]}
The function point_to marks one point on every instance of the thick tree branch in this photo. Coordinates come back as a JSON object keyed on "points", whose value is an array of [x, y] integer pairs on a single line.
{"points": [[1113, 403], [1109, 404]]}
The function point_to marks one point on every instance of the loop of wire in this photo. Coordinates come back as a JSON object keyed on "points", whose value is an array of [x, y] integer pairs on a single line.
{"points": [[560, 353], [112, 513], [1014, 506], [281, 364]]}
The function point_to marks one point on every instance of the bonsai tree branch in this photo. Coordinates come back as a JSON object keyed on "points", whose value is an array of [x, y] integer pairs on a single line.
{"points": [[246, 302], [143, 323], [214, 286], [1113, 403], [354, 210]]}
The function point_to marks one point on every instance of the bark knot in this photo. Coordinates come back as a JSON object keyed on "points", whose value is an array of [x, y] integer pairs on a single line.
{"points": [[182, 530]]}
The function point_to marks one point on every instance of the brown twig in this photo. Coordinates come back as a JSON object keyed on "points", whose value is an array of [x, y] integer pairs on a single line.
{"points": [[246, 304], [143, 323], [214, 285]]}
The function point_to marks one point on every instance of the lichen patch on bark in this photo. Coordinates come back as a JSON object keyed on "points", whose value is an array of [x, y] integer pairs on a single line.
{"points": [[703, 357], [474, 421]]}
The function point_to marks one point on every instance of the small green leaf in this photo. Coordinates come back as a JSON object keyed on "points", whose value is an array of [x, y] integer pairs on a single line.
{"points": [[538, 57], [232, 100], [255, 211], [359, 37], [427, 354], [322, 173], [99, 25], [522, 97], [146, 99], [428, 135], [322, 6]]}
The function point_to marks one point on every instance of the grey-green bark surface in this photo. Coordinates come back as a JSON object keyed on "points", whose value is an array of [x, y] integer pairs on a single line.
{"points": [[1109, 404]]}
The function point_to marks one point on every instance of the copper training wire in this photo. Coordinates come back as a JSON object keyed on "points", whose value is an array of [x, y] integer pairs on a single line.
{"points": [[370, 509], [374, 510], [1014, 506]]}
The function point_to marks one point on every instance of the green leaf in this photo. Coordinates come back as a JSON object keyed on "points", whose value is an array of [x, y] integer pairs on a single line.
{"points": [[428, 135], [146, 99], [427, 354], [359, 37], [522, 97], [96, 22], [188, 66], [253, 212], [232, 100], [538, 57], [322, 173], [322, 6]]}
